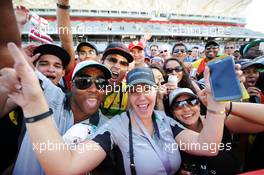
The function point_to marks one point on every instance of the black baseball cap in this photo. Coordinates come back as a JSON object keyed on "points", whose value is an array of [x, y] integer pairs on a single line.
{"points": [[51, 49], [86, 44], [120, 49], [141, 75], [211, 43]]}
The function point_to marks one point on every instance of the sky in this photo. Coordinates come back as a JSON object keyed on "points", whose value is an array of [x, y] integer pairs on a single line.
{"points": [[255, 16]]}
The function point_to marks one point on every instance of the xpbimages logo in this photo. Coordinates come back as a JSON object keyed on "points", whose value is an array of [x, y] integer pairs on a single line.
{"points": [[146, 89], [60, 146], [211, 147]]}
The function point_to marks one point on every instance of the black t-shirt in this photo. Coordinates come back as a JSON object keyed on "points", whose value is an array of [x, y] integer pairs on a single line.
{"points": [[9, 134], [225, 163]]}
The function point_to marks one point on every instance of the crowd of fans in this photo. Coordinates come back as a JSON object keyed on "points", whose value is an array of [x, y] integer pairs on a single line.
{"points": [[139, 107]]}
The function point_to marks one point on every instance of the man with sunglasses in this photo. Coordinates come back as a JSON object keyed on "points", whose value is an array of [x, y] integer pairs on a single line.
{"points": [[230, 48], [117, 58], [81, 105], [154, 50], [164, 52], [179, 51], [211, 53]]}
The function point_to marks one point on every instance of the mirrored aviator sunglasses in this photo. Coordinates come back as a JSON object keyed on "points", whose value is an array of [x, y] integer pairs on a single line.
{"points": [[188, 102], [86, 82]]}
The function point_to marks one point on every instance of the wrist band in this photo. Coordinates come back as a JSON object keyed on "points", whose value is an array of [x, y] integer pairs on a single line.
{"points": [[39, 117], [230, 109], [215, 112], [61, 6]]}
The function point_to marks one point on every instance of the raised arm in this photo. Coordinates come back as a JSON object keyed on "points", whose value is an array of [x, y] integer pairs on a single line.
{"points": [[60, 160], [65, 32], [8, 32], [207, 141], [245, 117]]}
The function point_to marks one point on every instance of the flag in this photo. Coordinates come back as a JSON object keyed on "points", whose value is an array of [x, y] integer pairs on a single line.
{"points": [[37, 29]]}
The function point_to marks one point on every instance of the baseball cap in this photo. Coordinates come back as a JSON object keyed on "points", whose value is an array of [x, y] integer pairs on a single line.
{"points": [[51, 49], [120, 49], [211, 43], [249, 63], [180, 91], [90, 63], [244, 48], [134, 44], [86, 44], [140, 75]]}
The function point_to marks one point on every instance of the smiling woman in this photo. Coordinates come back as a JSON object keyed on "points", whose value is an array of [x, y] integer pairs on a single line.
{"points": [[185, 108]]}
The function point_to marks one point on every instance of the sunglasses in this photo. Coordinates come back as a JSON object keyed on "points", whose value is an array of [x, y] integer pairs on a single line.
{"points": [[115, 60], [229, 48], [86, 82], [177, 69], [188, 102], [179, 50], [212, 47], [164, 51]]}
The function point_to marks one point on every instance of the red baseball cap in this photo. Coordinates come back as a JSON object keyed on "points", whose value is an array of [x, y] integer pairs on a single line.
{"points": [[134, 44]]}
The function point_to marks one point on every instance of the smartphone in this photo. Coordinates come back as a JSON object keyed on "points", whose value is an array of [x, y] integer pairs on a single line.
{"points": [[224, 82]]}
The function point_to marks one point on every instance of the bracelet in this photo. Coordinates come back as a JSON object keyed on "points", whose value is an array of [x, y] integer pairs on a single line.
{"points": [[65, 7], [230, 109], [215, 112], [39, 117]]}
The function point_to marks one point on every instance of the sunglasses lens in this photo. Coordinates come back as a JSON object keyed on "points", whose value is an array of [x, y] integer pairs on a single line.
{"points": [[169, 70], [192, 102], [101, 83], [178, 69], [113, 60], [83, 82]]}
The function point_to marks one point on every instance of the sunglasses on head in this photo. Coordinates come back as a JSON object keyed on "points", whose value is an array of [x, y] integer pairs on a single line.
{"points": [[179, 50], [211, 47], [177, 69], [86, 82], [115, 60], [188, 102]]}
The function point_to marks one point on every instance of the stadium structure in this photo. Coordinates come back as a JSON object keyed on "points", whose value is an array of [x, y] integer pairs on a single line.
{"points": [[169, 21]]}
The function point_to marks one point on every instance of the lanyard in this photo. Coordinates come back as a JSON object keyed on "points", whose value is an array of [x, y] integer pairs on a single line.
{"points": [[161, 153]]}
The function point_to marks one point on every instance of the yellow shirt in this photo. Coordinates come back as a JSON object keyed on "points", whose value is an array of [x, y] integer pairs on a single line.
{"points": [[115, 102]]}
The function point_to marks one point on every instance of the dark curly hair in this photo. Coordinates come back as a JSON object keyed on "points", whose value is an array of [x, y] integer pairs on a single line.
{"points": [[185, 81]]}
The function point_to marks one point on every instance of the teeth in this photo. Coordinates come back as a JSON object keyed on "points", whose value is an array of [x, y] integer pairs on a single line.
{"points": [[91, 102], [187, 115], [142, 106], [115, 74]]}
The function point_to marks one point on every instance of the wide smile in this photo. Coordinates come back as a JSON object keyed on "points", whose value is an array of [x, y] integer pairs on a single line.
{"points": [[143, 107]]}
